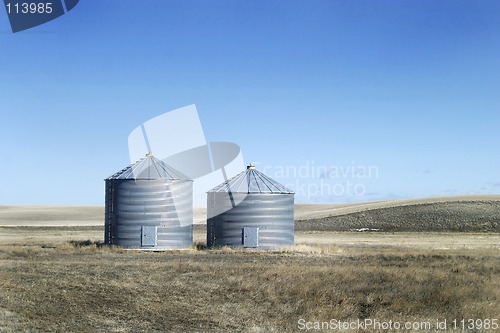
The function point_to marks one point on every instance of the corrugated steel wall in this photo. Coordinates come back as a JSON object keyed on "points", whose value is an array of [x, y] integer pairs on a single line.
{"points": [[272, 213], [132, 204]]}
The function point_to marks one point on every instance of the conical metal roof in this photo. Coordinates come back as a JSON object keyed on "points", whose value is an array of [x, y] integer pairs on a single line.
{"points": [[251, 181], [149, 167]]}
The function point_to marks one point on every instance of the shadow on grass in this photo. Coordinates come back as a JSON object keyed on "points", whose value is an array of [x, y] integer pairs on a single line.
{"points": [[86, 243], [199, 246]]}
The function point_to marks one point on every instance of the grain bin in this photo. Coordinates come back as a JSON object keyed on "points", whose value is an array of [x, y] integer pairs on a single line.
{"points": [[250, 210], [149, 206]]}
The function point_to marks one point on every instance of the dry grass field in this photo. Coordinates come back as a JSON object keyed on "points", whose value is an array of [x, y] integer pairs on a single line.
{"points": [[57, 277]]}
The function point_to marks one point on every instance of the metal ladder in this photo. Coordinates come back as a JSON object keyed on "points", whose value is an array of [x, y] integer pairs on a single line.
{"points": [[108, 214]]}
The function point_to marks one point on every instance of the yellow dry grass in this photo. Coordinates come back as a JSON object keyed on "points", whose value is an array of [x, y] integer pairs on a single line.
{"points": [[80, 286]]}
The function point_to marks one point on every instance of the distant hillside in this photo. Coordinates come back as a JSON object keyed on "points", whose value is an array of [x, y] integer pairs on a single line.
{"points": [[458, 213], [461, 215]]}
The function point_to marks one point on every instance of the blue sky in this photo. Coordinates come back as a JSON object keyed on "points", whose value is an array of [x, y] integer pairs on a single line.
{"points": [[408, 87]]}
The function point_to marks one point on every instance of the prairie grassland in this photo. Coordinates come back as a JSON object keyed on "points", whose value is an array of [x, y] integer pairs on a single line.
{"points": [[54, 284]]}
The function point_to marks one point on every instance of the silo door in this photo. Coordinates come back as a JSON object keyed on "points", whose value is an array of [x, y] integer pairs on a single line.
{"points": [[148, 237], [250, 237]]}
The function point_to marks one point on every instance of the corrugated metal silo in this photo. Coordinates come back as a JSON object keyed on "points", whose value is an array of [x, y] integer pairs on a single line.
{"points": [[250, 210], [149, 206]]}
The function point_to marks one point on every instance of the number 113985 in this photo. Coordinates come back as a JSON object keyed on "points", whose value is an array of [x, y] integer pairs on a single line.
{"points": [[475, 324], [29, 8]]}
